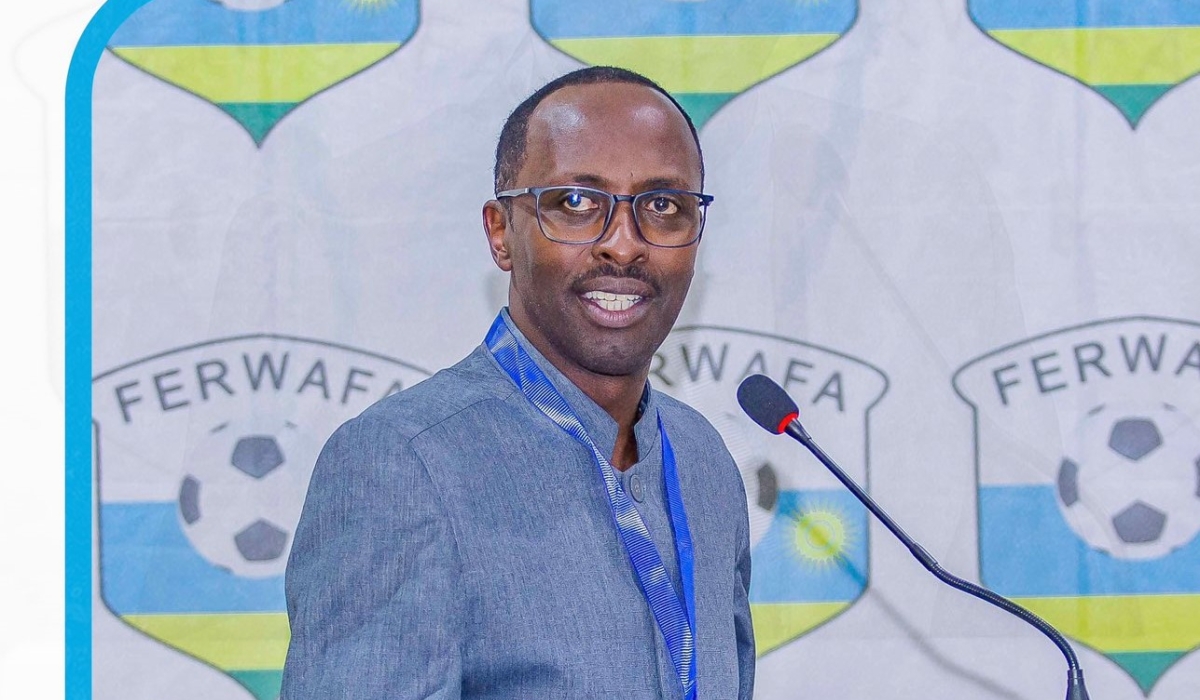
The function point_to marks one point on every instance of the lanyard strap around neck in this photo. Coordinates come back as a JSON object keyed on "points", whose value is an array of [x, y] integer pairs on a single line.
{"points": [[676, 618]]}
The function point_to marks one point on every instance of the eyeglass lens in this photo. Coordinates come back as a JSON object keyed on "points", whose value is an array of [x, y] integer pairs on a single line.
{"points": [[579, 215]]}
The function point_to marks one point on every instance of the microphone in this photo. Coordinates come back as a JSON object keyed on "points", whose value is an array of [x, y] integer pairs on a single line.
{"points": [[769, 406]]}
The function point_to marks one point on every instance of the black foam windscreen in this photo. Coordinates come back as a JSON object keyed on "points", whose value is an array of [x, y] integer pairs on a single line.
{"points": [[766, 403]]}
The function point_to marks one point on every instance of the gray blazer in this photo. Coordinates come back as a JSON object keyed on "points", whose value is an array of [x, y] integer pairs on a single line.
{"points": [[455, 543]]}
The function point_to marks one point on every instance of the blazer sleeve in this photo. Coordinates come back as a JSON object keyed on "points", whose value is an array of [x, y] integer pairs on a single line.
{"points": [[372, 581], [741, 607]]}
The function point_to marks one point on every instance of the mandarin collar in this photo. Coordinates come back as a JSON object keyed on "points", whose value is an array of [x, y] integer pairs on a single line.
{"points": [[599, 425]]}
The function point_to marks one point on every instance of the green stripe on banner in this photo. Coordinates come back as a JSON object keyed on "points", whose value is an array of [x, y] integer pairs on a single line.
{"points": [[700, 106], [258, 117], [264, 685], [1133, 100], [1146, 667]]}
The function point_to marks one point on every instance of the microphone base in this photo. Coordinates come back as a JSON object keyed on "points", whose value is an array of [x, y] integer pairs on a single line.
{"points": [[1075, 687]]}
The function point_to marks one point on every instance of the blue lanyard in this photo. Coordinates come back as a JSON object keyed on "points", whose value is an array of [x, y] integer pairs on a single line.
{"points": [[676, 618]]}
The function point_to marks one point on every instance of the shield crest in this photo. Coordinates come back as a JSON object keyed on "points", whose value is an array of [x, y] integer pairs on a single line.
{"points": [[704, 52], [1131, 53], [258, 60], [1088, 462], [808, 536], [203, 456]]}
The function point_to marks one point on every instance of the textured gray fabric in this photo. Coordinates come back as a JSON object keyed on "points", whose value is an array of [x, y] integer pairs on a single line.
{"points": [[456, 543]]}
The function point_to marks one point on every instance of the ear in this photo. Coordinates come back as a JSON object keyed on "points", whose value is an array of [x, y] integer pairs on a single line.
{"points": [[495, 227]]}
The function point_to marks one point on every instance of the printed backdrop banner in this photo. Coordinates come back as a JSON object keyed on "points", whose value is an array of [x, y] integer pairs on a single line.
{"points": [[809, 535], [1087, 457], [258, 66], [705, 53], [960, 233], [205, 454]]}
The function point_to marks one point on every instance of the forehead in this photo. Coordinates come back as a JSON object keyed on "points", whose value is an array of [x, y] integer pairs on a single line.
{"points": [[614, 134]]}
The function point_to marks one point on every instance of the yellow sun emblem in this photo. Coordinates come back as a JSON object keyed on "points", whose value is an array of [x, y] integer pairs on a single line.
{"points": [[821, 535]]}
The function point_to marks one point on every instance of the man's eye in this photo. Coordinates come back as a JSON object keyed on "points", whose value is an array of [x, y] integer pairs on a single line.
{"points": [[578, 201], [663, 205]]}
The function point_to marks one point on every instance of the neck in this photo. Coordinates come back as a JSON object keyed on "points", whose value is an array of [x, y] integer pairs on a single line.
{"points": [[618, 395]]}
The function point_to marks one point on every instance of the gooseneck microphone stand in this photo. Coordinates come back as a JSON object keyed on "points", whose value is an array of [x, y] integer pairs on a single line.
{"points": [[769, 406]]}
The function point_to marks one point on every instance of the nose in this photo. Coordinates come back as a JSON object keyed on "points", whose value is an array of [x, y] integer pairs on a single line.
{"points": [[622, 242]]}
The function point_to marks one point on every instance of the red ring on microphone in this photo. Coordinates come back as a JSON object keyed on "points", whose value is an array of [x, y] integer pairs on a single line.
{"points": [[783, 424]]}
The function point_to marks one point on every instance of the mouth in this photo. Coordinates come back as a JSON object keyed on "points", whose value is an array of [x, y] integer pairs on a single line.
{"points": [[616, 299], [611, 301]]}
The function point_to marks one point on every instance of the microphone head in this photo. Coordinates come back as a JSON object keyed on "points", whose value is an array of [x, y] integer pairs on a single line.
{"points": [[767, 403]]}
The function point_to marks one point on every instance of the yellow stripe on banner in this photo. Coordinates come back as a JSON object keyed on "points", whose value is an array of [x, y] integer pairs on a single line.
{"points": [[776, 624], [283, 73], [1124, 623], [229, 641], [700, 63], [1112, 56]]}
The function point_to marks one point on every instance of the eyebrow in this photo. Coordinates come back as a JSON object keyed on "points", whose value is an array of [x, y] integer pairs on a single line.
{"points": [[587, 180], [660, 183], [600, 183]]}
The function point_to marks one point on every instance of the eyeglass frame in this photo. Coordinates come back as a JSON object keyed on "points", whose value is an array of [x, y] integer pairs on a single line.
{"points": [[705, 200]]}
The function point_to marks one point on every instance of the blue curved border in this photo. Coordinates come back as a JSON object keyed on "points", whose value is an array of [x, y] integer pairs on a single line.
{"points": [[78, 334]]}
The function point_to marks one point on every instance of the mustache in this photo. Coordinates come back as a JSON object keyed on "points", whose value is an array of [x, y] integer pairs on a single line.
{"points": [[637, 272]]}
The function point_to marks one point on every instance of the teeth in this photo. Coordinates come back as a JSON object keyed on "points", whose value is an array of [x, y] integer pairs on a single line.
{"points": [[613, 302]]}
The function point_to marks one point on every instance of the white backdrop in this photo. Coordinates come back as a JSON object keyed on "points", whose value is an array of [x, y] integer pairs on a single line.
{"points": [[917, 226]]}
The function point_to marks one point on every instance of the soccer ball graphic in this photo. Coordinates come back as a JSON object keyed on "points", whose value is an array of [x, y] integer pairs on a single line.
{"points": [[762, 496], [242, 493], [1130, 483], [747, 444]]}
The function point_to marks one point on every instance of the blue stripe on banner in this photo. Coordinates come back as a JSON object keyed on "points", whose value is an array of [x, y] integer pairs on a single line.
{"points": [[782, 572], [571, 19], [1065, 14], [148, 566], [1028, 549], [207, 22]]}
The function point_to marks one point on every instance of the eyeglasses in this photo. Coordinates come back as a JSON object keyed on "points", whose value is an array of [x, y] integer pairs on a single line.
{"points": [[577, 215]]}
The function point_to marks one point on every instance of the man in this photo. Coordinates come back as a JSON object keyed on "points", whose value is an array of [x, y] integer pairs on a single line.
{"points": [[535, 521]]}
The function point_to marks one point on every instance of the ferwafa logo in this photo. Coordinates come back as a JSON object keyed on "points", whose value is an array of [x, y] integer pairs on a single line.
{"points": [[1087, 449], [258, 60], [704, 53], [1131, 53], [203, 456], [808, 534]]}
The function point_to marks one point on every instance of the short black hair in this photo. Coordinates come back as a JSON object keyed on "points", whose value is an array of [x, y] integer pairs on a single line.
{"points": [[510, 149]]}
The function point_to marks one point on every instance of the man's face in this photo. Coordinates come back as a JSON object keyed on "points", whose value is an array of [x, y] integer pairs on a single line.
{"points": [[621, 138]]}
